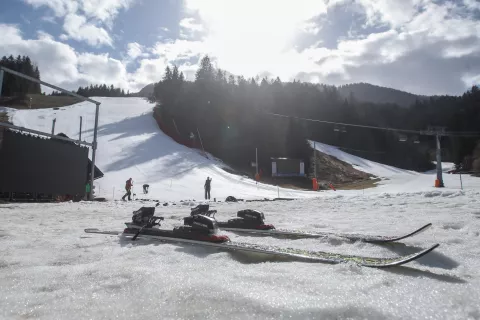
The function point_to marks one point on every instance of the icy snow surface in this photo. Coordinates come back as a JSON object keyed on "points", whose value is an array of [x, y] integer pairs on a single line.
{"points": [[51, 269]]}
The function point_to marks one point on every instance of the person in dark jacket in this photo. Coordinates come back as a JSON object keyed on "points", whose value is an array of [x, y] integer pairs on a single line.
{"points": [[207, 187], [145, 188], [128, 188]]}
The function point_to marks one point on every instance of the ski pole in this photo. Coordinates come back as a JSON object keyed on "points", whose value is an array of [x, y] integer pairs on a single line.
{"points": [[138, 232]]}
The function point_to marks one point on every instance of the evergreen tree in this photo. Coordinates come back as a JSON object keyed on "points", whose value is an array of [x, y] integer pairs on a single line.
{"points": [[14, 85], [206, 71]]}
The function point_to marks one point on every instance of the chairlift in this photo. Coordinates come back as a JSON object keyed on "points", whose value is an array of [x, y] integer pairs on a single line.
{"points": [[336, 128], [344, 129], [416, 140], [402, 138]]}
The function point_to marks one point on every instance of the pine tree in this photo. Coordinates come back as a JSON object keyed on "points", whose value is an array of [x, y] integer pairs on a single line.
{"points": [[168, 74], [206, 71]]}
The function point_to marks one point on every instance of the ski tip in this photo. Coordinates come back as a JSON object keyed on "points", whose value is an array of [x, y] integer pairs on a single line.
{"points": [[403, 259], [91, 230]]}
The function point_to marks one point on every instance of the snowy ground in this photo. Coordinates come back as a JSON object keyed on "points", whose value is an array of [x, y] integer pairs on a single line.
{"points": [[50, 269]]}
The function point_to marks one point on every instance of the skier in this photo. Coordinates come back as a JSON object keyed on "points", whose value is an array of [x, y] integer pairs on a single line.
{"points": [[128, 187], [207, 188], [145, 188]]}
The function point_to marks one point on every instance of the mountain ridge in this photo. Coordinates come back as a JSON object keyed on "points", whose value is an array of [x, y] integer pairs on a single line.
{"points": [[359, 91]]}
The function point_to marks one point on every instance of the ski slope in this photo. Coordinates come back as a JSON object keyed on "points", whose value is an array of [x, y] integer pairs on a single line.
{"points": [[396, 180], [372, 167], [130, 145]]}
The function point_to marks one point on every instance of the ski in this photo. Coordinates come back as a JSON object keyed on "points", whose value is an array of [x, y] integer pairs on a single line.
{"points": [[297, 254], [316, 235], [253, 222]]}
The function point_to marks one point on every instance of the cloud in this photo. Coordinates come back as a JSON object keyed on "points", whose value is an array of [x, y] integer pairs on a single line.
{"points": [[77, 28], [149, 71], [49, 19], [190, 28], [59, 7], [191, 24], [136, 50], [101, 10], [180, 49], [472, 4], [250, 38], [62, 65], [104, 10], [56, 61], [42, 35], [311, 27], [101, 69], [417, 45], [392, 12], [85, 20]]}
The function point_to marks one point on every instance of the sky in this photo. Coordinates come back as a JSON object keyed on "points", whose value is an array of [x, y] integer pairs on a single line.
{"points": [[420, 46]]}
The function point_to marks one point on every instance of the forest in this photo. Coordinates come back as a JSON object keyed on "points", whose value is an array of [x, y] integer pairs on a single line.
{"points": [[234, 116], [97, 91], [16, 86]]}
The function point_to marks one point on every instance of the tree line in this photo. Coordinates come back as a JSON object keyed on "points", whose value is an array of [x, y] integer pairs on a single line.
{"points": [[14, 85], [97, 91], [234, 116]]}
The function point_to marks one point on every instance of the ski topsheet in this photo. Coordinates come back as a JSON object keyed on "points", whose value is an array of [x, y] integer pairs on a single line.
{"points": [[297, 254], [351, 237]]}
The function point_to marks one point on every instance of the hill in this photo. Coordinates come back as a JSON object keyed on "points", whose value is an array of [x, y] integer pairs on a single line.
{"points": [[362, 92], [146, 91], [365, 92]]}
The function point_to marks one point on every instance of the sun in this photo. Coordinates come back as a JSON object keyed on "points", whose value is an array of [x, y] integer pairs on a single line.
{"points": [[248, 36]]}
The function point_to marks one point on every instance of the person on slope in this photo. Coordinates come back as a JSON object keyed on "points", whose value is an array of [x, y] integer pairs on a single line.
{"points": [[128, 188], [207, 187], [145, 188]]}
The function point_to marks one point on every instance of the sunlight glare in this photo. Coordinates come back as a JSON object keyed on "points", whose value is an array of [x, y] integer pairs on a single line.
{"points": [[250, 36]]}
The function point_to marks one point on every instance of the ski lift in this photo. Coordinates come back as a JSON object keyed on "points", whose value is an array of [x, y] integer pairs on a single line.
{"points": [[336, 128], [344, 129], [402, 138], [415, 139]]}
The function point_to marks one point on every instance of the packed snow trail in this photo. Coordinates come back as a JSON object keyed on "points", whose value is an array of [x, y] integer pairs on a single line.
{"points": [[130, 145]]}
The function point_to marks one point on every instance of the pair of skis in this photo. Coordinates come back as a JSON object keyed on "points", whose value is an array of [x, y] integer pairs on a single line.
{"points": [[298, 254]]}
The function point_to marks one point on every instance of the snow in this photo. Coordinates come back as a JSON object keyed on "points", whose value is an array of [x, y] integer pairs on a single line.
{"points": [[130, 145], [395, 180], [51, 269], [372, 167]]}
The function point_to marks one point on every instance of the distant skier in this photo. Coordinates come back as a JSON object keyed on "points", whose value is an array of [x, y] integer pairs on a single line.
{"points": [[145, 188], [207, 186], [128, 188]]}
